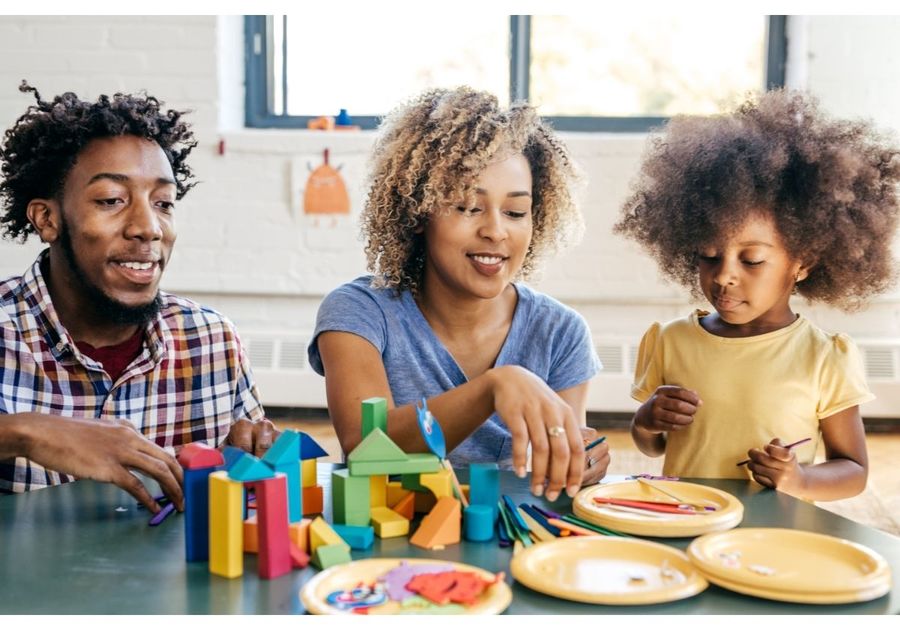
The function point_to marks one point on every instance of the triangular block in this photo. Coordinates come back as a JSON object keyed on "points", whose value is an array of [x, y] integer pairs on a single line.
{"points": [[309, 448], [285, 450], [330, 555], [299, 558], [199, 455], [320, 533], [405, 507], [376, 447], [232, 455], [440, 526], [250, 468]]}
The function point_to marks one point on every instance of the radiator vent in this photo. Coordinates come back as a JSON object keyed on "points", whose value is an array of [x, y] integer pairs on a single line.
{"points": [[611, 357], [880, 362], [282, 353], [293, 355], [261, 352]]}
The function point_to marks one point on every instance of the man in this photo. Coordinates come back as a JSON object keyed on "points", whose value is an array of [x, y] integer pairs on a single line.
{"points": [[102, 373]]}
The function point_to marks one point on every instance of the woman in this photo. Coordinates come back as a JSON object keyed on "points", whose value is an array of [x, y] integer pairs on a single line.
{"points": [[464, 199]]}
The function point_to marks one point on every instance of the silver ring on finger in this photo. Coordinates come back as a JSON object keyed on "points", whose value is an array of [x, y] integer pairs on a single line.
{"points": [[556, 431], [591, 461]]}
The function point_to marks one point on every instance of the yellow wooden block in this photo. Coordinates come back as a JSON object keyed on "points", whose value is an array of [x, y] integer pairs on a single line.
{"points": [[308, 473], [388, 524], [320, 533], [226, 509], [395, 492], [299, 533], [378, 490], [440, 483]]}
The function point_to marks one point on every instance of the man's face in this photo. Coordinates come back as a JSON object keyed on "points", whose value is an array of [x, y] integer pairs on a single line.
{"points": [[117, 226]]}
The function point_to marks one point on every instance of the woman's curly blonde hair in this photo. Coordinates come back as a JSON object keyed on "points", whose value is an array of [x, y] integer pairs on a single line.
{"points": [[428, 155]]}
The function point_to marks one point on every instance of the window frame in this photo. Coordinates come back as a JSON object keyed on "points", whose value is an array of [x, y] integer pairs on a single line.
{"points": [[260, 94]]}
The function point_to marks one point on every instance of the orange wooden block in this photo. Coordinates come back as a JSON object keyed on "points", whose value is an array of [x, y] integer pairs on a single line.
{"points": [[405, 507], [299, 533], [251, 535], [440, 526], [312, 500]]}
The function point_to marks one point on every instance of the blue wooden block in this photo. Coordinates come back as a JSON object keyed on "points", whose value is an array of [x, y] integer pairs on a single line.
{"points": [[250, 468], [484, 485], [196, 513], [478, 523], [309, 448], [231, 454], [357, 536]]}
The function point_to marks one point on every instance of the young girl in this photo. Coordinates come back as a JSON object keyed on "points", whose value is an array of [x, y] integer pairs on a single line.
{"points": [[747, 209], [464, 198]]}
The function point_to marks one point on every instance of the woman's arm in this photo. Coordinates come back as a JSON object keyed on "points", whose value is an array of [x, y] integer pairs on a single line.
{"points": [[354, 371], [843, 474]]}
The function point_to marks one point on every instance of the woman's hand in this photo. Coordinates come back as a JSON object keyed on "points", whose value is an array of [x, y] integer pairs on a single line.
{"points": [[776, 467], [596, 459], [535, 413]]}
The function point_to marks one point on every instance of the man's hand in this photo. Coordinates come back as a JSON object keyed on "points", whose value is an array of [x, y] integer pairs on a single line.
{"points": [[252, 437], [102, 450]]}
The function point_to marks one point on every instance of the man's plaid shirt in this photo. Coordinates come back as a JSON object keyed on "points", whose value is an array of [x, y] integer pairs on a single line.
{"points": [[190, 382]]}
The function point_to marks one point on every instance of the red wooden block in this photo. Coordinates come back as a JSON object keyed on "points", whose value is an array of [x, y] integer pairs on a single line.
{"points": [[312, 500], [199, 455], [272, 527], [299, 558]]}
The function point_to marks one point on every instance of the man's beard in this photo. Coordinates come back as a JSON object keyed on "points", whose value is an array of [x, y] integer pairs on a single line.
{"points": [[113, 310]]}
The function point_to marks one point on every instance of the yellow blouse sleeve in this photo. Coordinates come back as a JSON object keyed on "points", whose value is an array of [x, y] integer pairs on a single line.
{"points": [[843, 379], [648, 372]]}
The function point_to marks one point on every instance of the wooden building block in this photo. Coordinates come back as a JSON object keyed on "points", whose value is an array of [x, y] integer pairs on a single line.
{"points": [[376, 447], [196, 513], [251, 535], [389, 524], [424, 502], [250, 468], [395, 492], [349, 498], [478, 523], [439, 483], [309, 473], [374, 415], [309, 448], [360, 538], [411, 482], [413, 463], [312, 500], [199, 455], [329, 555], [272, 516], [299, 533], [405, 507], [484, 484], [320, 533], [299, 558], [440, 526], [378, 490], [226, 504], [284, 457]]}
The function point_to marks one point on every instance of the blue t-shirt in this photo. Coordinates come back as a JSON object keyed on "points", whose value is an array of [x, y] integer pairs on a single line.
{"points": [[546, 337]]}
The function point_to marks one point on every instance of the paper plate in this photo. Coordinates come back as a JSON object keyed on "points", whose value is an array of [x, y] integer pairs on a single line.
{"points": [[728, 513], [314, 594], [786, 564], [607, 570]]}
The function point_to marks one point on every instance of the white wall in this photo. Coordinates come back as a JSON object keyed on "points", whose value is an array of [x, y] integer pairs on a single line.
{"points": [[244, 247]]}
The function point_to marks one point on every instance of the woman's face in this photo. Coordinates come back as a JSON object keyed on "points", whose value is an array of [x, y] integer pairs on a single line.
{"points": [[477, 251]]}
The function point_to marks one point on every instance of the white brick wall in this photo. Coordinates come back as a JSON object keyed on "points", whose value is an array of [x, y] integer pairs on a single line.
{"points": [[244, 248]]}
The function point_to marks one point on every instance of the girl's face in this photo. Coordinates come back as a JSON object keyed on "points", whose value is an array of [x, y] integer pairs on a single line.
{"points": [[478, 250], [748, 277]]}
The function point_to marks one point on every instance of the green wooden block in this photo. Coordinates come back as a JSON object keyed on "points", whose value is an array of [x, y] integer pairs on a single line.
{"points": [[413, 463], [349, 498], [376, 447], [411, 482], [374, 415], [330, 555]]}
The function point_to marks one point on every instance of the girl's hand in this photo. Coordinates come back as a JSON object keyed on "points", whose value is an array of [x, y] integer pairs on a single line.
{"points": [[670, 408], [596, 459], [535, 413], [776, 467]]}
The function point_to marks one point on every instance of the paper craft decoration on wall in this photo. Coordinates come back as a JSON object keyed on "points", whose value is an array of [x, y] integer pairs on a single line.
{"points": [[325, 192]]}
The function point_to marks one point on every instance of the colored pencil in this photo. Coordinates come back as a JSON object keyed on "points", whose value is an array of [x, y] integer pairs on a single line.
{"points": [[787, 446], [599, 440], [650, 506]]}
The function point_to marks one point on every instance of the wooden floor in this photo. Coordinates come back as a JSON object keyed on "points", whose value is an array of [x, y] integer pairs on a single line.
{"points": [[878, 506]]}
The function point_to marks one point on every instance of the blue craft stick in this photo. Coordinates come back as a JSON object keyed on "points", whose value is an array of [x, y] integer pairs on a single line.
{"points": [[502, 535], [533, 513], [547, 513], [599, 440], [514, 513], [160, 516]]}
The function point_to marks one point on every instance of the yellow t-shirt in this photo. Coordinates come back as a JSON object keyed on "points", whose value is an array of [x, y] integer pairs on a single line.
{"points": [[754, 389]]}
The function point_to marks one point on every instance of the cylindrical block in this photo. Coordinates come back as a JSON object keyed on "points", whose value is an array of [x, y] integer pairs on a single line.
{"points": [[479, 523]]}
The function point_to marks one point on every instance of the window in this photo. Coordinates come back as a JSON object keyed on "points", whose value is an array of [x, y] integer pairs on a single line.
{"points": [[622, 73]]}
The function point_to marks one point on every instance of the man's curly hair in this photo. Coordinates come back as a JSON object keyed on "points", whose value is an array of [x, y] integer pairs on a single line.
{"points": [[830, 186], [430, 152], [40, 149]]}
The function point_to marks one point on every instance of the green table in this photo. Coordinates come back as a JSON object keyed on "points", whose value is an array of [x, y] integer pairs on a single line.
{"points": [[68, 550]]}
